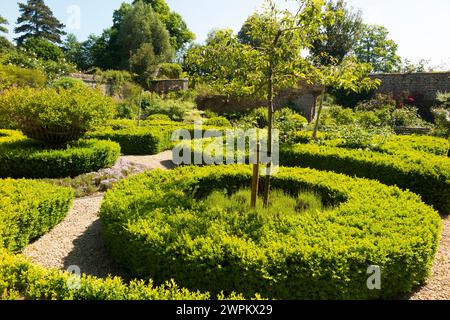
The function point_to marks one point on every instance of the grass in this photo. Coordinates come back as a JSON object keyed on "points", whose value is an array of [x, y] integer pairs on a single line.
{"points": [[281, 203]]}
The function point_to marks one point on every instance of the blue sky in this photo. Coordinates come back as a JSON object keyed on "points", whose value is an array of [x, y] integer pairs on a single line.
{"points": [[421, 28]]}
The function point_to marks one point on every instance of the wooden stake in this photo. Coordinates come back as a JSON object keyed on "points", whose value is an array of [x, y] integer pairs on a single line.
{"points": [[255, 181], [139, 109]]}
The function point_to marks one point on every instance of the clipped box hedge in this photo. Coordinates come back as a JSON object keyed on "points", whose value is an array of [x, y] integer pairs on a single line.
{"points": [[424, 174], [416, 163], [155, 225], [25, 158], [151, 138], [29, 209]]}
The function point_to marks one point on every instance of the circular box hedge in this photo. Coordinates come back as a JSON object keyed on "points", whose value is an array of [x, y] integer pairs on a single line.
{"points": [[25, 158], [156, 225]]}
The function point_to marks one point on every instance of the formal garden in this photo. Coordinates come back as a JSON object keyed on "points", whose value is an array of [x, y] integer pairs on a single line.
{"points": [[345, 199]]}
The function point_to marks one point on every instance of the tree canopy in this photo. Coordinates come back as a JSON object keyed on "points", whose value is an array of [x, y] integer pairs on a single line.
{"points": [[3, 22], [376, 48], [180, 34], [340, 37], [36, 20]]}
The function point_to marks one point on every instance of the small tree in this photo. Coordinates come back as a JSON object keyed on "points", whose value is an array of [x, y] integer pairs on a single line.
{"points": [[37, 21], [272, 59]]}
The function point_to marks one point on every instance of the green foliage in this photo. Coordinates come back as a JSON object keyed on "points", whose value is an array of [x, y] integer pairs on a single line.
{"points": [[180, 35], [28, 210], [376, 48], [29, 60], [3, 22], [442, 115], [340, 36], [14, 76], [143, 34], [217, 121], [170, 71], [157, 225], [159, 117], [281, 203], [36, 20], [55, 116], [43, 49], [408, 116], [24, 158], [426, 175], [136, 141], [67, 83], [177, 110]]}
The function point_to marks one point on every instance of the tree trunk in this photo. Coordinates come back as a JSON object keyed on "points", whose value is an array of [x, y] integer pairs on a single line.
{"points": [[269, 139], [319, 112]]}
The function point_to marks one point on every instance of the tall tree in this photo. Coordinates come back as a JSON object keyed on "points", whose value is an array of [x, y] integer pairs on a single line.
{"points": [[141, 26], [376, 48], [180, 35], [36, 20], [340, 37]]}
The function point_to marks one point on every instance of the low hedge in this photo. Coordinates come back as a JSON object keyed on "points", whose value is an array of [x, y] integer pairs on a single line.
{"points": [[136, 141], [29, 159], [29, 209], [426, 175], [415, 163], [156, 225], [151, 138]]}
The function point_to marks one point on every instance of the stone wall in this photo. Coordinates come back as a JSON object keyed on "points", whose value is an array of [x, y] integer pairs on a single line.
{"points": [[165, 86], [425, 84], [423, 87]]}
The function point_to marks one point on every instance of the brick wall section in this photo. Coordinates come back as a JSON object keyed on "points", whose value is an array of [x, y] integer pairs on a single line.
{"points": [[424, 84]]}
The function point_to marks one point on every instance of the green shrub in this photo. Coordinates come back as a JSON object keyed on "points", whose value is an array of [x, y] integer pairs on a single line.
{"points": [[29, 159], [158, 117], [170, 71], [55, 116], [67, 83], [177, 110], [408, 117], [43, 49], [13, 76], [28, 210], [441, 114], [135, 140], [157, 225], [218, 121]]}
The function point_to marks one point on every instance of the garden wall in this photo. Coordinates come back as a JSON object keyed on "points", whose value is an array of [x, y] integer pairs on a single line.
{"points": [[425, 84], [303, 102], [422, 87]]}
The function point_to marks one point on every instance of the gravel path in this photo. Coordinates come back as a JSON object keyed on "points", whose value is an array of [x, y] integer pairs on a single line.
{"points": [[77, 241], [438, 286]]}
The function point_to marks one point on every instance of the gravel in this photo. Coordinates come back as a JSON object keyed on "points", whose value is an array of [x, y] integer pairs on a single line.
{"points": [[438, 285], [77, 241]]}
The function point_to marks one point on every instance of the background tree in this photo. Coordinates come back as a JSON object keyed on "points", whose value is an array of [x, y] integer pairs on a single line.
{"points": [[74, 51], [180, 35], [3, 22], [141, 26], [5, 44], [37, 20], [376, 48], [340, 37]]}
